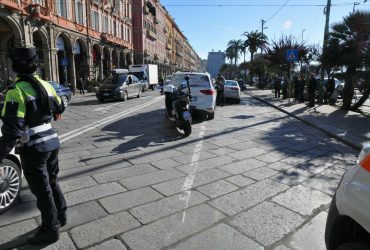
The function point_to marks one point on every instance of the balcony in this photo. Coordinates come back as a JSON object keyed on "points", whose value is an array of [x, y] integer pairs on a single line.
{"points": [[151, 34], [108, 38], [179, 53]]}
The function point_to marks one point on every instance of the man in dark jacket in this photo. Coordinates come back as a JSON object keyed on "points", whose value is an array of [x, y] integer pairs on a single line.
{"points": [[81, 85], [312, 85], [277, 87], [301, 84]]}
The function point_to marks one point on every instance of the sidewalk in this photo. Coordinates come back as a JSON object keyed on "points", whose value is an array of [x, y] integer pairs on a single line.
{"points": [[349, 127]]}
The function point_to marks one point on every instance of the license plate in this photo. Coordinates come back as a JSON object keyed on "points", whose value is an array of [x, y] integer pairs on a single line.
{"points": [[186, 115], [106, 94]]}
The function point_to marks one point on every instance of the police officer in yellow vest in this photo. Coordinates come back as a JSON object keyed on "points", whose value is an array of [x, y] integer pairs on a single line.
{"points": [[30, 105]]}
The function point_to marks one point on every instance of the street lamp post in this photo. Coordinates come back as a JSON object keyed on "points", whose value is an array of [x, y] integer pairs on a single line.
{"points": [[302, 34]]}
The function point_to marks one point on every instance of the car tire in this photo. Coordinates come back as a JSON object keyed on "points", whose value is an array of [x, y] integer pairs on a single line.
{"points": [[187, 128], [238, 101], [354, 246], [10, 188], [65, 100], [211, 116], [101, 99], [143, 89], [139, 94]]}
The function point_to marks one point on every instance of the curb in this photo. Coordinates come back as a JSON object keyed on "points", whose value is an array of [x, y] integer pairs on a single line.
{"points": [[353, 145]]}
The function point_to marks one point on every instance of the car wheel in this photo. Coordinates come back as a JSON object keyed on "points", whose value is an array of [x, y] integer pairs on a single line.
{"points": [[65, 101], [10, 184], [211, 116], [125, 96], [238, 101], [143, 89], [139, 94]]}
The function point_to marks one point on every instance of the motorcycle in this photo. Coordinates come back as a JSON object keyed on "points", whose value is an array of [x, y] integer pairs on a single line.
{"points": [[178, 105]]}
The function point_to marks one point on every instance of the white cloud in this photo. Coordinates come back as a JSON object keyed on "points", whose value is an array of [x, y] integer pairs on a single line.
{"points": [[288, 24]]}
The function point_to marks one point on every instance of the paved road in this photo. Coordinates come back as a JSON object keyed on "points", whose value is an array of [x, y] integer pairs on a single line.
{"points": [[252, 178]]}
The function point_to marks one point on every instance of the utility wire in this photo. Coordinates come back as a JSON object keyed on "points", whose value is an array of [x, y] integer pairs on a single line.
{"points": [[277, 12]]}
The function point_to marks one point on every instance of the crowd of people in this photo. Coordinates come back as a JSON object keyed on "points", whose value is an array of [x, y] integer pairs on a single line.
{"points": [[298, 87]]}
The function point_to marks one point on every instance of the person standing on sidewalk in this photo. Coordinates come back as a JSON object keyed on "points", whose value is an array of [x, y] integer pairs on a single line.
{"points": [[330, 87], [81, 85], [277, 87], [220, 83], [30, 104], [312, 85], [296, 88]]}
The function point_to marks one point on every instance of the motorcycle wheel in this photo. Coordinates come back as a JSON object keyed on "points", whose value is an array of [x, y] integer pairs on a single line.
{"points": [[187, 128]]}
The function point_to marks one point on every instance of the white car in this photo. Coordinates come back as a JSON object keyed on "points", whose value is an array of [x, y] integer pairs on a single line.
{"points": [[348, 222], [202, 91], [232, 90], [10, 181]]}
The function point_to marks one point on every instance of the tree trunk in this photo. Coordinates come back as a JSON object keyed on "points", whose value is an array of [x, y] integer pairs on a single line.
{"points": [[348, 88], [365, 96]]}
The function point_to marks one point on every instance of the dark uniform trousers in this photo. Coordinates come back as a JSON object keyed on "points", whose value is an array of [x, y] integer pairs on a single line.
{"points": [[41, 170], [220, 99]]}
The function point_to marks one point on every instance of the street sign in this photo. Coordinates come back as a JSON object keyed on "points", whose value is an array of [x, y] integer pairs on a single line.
{"points": [[292, 55]]}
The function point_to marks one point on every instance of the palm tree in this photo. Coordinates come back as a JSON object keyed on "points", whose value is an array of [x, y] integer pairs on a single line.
{"points": [[229, 53], [254, 41], [349, 42], [235, 46], [243, 50]]}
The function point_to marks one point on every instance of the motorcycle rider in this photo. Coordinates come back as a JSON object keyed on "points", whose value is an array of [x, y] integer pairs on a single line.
{"points": [[220, 83], [30, 104]]}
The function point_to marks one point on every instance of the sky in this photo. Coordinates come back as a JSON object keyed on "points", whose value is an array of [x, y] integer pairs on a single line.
{"points": [[211, 27]]}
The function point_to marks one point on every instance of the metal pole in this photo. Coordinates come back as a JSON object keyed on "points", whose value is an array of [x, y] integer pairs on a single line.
{"points": [[326, 33], [263, 27]]}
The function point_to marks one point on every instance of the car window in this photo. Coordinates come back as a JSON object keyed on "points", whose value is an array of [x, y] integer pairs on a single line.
{"points": [[195, 80], [55, 85], [115, 80], [231, 83]]}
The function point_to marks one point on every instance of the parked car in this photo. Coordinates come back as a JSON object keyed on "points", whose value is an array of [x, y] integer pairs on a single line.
{"points": [[63, 92], [232, 90], [119, 87], [348, 221], [202, 91], [10, 181]]}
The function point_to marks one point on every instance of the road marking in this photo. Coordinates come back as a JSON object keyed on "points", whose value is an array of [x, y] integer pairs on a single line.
{"points": [[188, 183], [76, 132]]}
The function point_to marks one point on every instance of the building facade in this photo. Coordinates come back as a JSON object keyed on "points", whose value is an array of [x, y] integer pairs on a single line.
{"points": [[88, 38], [82, 38], [214, 62]]}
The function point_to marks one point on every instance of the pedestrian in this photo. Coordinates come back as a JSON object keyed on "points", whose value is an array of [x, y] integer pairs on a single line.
{"points": [[329, 90], [161, 83], [296, 88], [220, 83], [30, 104], [301, 84], [284, 87], [277, 87], [312, 85], [81, 85]]}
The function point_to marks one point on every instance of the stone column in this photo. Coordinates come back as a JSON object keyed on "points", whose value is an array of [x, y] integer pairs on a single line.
{"points": [[54, 65], [73, 70]]}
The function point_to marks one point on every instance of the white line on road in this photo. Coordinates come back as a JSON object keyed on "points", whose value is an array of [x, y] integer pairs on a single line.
{"points": [[188, 184], [76, 132]]}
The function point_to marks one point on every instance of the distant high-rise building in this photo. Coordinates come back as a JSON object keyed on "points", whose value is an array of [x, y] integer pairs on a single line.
{"points": [[215, 61]]}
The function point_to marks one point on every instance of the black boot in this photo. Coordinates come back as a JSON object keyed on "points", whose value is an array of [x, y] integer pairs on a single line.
{"points": [[62, 218], [44, 236]]}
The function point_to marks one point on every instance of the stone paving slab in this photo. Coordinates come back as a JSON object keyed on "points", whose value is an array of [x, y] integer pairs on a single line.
{"points": [[150, 178], [242, 166], [217, 188], [171, 229], [129, 199], [186, 159], [302, 199], [127, 172], [103, 228], [16, 232], [247, 197], [260, 173], [247, 153], [64, 243], [156, 210], [267, 222], [206, 164], [219, 237], [178, 185], [311, 235], [113, 244], [19, 212], [76, 184], [240, 180], [323, 183], [93, 193], [166, 164]]}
